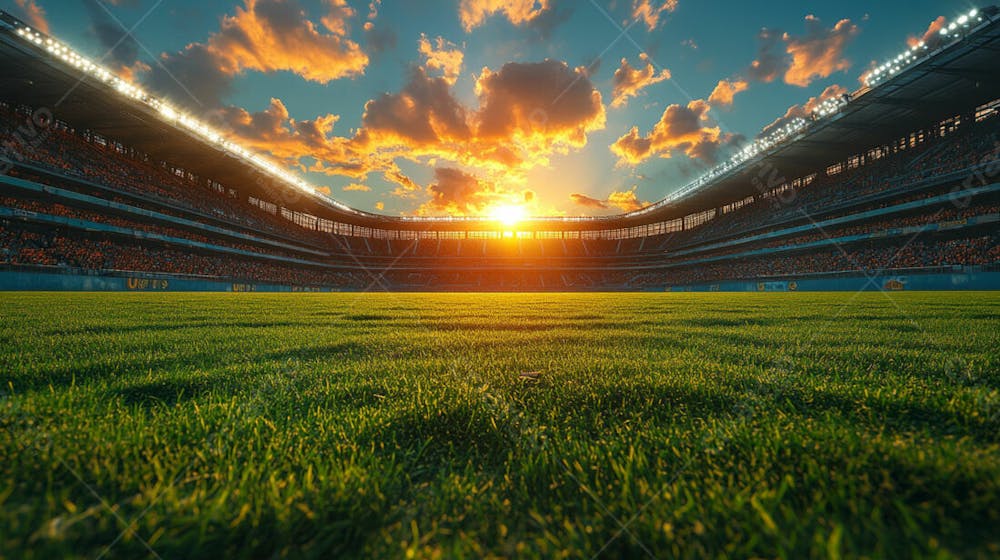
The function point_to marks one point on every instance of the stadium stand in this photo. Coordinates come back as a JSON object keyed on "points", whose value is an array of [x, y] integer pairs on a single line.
{"points": [[922, 199]]}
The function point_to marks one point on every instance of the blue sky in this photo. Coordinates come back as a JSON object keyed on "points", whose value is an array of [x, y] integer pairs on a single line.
{"points": [[578, 172]]}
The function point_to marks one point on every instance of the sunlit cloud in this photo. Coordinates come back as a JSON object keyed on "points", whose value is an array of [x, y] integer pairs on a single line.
{"points": [[650, 11], [625, 201], [442, 55], [629, 81], [681, 129], [820, 52], [473, 13], [263, 36], [726, 90]]}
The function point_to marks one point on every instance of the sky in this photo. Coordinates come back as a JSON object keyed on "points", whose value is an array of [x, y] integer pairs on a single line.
{"points": [[490, 107]]}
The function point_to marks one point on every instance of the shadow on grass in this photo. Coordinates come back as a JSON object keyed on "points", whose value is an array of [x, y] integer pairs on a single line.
{"points": [[162, 327], [167, 392], [334, 352]]}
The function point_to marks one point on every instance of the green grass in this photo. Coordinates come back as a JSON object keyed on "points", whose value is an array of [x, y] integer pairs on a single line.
{"points": [[309, 425]]}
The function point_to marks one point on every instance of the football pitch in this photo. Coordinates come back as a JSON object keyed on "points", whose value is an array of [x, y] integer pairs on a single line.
{"points": [[505, 425]]}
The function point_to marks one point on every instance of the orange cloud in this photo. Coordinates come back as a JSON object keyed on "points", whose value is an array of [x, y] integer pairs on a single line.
{"points": [[544, 107], [932, 35], [626, 201], [458, 193], [324, 191], [726, 90], [355, 187], [380, 206], [588, 201], [803, 111], [274, 130], [274, 35], [526, 113], [33, 14], [442, 55], [820, 52], [262, 36], [650, 11], [473, 13], [682, 129], [629, 81]]}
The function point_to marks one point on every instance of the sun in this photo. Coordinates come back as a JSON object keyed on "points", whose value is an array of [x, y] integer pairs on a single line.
{"points": [[508, 215]]}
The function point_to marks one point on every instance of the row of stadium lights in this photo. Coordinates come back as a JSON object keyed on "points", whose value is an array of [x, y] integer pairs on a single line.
{"points": [[168, 112], [827, 108], [896, 65]]}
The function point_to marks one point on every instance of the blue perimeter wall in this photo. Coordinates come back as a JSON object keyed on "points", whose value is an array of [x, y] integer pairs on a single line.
{"points": [[50, 282], [961, 279], [958, 280]]}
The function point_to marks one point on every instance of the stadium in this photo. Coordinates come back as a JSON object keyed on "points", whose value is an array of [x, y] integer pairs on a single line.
{"points": [[466, 392]]}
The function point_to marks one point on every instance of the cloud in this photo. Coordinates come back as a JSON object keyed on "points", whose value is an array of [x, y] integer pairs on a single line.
{"points": [[442, 55], [274, 35], [629, 81], [540, 15], [457, 193], [355, 187], [770, 62], [122, 49], [681, 129], [798, 60], [803, 111], [423, 114], [587, 201], [379, 39], [380, 206], [373, 8], [33, 14], [191, 77], [932, 36], [473, 13], [626, 201], [543, 106], [820, 52], [650, 11], [526, 113], [726, 90], [265, 36], [274, 131]]}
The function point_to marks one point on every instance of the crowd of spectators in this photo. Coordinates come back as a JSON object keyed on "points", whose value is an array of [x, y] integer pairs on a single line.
{"points": [[866, 258], [978, 145], [20, 246], [927, 218], [60, 210]]}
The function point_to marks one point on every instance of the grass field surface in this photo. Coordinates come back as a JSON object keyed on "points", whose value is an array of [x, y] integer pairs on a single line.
{"points": [[402, 425]]}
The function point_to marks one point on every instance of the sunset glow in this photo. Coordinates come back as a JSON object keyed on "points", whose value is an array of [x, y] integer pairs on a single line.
{"points": [[508, 215]]}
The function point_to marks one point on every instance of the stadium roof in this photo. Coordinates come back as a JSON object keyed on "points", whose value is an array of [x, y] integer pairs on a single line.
{"points": [[951, 81]]}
